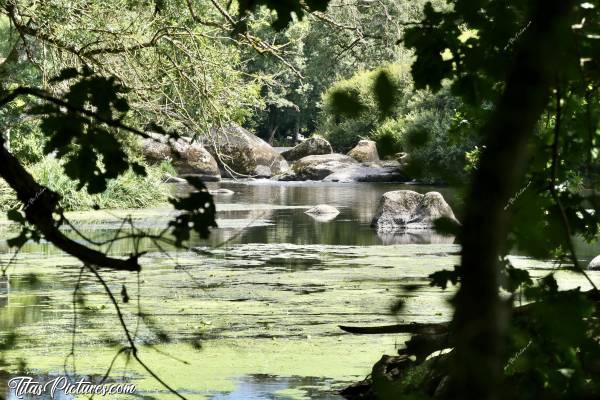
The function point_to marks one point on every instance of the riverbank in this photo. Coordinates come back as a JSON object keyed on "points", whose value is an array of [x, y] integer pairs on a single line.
{"points": [[127, 191]]}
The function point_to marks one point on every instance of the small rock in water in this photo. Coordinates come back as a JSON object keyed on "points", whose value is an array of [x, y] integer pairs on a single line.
{"points": [[221, 191], [323, 209], [323, 213], [595, 263], [168, 178]]}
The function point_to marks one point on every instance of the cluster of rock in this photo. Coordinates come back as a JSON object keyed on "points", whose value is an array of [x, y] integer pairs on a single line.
{"points": [[188, 158], [361, 164], [235, 152]]}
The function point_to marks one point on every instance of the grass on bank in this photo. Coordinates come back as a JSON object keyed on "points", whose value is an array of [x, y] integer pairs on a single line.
{"points": [[127, 191]]}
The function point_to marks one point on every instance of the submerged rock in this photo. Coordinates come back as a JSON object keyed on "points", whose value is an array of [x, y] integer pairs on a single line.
{"points": [[365, 151], [320, 166], [323, 212], [246, 154], [405, 209], [186, 157], [314, 145], [323, 209], [168, 178], [221, 191], [595, 263]]}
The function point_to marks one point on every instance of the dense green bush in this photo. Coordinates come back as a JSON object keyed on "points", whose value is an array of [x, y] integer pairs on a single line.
{"points": [[388, 136], [418, 122], [345, 124]]}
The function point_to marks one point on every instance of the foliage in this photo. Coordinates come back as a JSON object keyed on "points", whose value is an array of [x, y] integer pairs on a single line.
{"points": [[549, 353], [423, 124], [127, 191], [388, 136], [200, 215], [437, 148], [179, 74], [320, 50], [183, 74], [351, 110]]}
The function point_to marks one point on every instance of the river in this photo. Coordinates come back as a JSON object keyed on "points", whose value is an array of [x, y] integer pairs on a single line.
{"points": [[255, 315]]}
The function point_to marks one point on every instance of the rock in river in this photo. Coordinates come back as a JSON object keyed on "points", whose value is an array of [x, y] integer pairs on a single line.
{"points": [[221, 191], [186, 157], [246, 154], [405, 209], [323, 209], [168, 178], [314, 145], [365, 151], [367, 173], [323, 212], [319, 166], [595, 263]]}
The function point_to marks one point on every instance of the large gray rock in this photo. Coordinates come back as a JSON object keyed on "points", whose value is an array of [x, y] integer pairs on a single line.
{"points": [[246, 154], [405, 209], [187, 158], [320, 166], [595, 263], [366, 173], [314, 145], [365, 151]]}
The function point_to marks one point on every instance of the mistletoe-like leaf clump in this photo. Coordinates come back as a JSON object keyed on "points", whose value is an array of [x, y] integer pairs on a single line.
{"points": [[284, 9], [198, 213]]}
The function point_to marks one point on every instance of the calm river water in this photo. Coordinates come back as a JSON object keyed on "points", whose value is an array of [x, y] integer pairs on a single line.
{"points": [[254, 316]]}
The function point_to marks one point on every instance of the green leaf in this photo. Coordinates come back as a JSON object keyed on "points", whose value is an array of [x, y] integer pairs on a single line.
{"points": [[15, 216], [441, 278], [124, 295], [138, 169], [65, 74], [199, 212], [18, 241]]}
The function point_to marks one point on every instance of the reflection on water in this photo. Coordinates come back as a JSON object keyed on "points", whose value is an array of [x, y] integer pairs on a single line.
{"points": [[268, 387], [414, 237], [357, 204], [20, 301], [274, 212]]}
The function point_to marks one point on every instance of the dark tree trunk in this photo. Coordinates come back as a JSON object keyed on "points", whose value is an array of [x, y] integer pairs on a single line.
{"points": [[480, 321]]}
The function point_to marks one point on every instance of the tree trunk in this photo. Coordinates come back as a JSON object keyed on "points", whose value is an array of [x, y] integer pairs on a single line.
{"points": [[479, 320]]}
